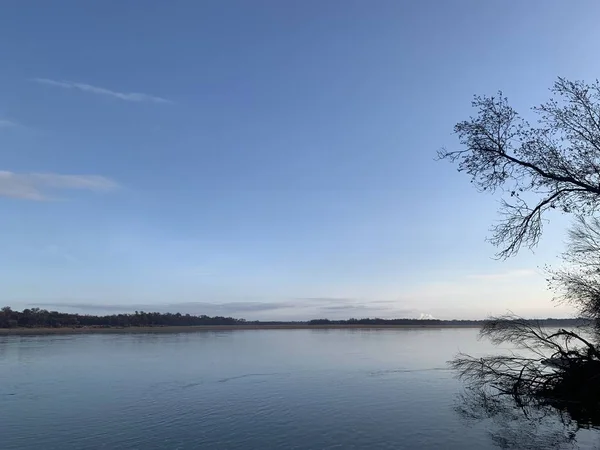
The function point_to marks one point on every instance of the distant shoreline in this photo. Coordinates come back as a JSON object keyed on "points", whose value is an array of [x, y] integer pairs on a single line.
{"points": [[201, 328]]}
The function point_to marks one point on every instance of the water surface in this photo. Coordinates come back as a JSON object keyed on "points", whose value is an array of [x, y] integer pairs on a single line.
{"points": [[255, 389]]}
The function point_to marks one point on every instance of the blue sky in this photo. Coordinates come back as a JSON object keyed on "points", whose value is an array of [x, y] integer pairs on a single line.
{"points": [[267, 159]]}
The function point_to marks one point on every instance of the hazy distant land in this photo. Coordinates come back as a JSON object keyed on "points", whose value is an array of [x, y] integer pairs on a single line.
{"points": [[39, 321]]}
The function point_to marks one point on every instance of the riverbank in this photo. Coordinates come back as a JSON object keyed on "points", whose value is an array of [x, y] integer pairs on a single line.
{"points": [[200, 328]]}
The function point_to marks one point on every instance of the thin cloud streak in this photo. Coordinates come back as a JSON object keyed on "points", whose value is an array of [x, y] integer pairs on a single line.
{"points": [[4, 123], [275, 310], [126, 96], [504, 275], [32, 186]]}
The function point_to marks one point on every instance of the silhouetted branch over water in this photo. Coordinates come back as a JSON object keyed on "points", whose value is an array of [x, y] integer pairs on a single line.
{"points": [[552, 369]]}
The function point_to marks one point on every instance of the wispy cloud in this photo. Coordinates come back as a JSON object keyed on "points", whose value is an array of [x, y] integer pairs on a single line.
{"points": [[504, 275], [33, 186], [4, 123], [126, 96], [268, 310], [236, 308], [58, 253]]}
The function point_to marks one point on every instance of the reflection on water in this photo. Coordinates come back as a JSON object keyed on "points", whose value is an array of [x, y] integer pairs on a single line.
{"points": [[531, 426], [517, 427], [540, 393]]}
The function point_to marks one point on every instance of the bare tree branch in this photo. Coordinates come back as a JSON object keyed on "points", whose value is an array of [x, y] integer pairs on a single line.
{"points": [[556, 162]]}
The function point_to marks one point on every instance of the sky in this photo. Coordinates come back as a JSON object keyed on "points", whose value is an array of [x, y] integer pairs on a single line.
{"points": [[267, 159]]}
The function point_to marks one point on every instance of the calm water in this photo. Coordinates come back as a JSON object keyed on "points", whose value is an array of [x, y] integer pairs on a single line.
{"points": [[292, 389]]}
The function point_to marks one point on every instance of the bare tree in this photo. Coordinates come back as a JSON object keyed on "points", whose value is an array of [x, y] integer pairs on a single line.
{"points": [[554, 164], [578, 281]]}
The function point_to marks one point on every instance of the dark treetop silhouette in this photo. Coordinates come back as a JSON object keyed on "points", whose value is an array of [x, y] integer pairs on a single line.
{"points": [[41, 318], [552, 164]]}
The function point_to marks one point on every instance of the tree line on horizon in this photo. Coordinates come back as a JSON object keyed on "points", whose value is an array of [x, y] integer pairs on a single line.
{"points": [[41, 318]]}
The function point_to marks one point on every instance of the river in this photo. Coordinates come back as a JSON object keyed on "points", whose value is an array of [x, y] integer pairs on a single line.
{"points": [[251, 389]]}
